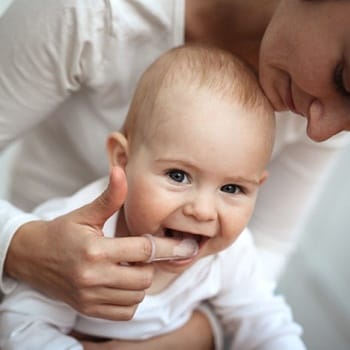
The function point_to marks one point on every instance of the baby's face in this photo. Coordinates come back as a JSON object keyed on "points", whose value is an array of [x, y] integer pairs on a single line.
{"points": [[197, 174]]}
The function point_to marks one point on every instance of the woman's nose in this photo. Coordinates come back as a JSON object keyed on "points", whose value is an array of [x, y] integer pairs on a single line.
{"points": [[327, 119]]}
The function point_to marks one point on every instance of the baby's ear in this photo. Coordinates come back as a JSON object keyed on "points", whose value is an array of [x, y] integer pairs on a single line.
{"points": [[118, 149], [263, 178]]}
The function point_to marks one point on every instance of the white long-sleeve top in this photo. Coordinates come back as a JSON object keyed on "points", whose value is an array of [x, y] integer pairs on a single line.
{"points": [[68, 69], [230, 281]]}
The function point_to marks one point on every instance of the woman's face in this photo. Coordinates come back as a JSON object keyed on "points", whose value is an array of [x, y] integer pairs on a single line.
{"points": [[305, 63]]}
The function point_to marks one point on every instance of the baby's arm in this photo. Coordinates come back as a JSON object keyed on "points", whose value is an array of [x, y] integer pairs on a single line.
{"points": [[31, 321], [249, 310]]}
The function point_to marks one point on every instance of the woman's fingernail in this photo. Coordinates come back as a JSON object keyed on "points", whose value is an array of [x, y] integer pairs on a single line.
{"points": [[186, 248]]}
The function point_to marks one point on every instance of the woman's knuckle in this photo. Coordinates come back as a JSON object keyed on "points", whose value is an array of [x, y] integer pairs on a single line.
{"points": [[83, 278], [146, 248], [81, 305], [92, 253], [146, 280], [82, 298], [127, 313], [88, 310], [139, 296]]}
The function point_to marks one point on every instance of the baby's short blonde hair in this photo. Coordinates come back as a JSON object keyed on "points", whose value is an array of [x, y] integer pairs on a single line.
{"points": [[196, 67]]}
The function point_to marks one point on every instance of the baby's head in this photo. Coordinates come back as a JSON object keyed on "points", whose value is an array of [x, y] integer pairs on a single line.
{"points": [[195, 71], [194, 147]]}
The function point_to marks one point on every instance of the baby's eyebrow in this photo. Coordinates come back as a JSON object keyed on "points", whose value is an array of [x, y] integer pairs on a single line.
{"points": [[177, 161], [242, 179]]}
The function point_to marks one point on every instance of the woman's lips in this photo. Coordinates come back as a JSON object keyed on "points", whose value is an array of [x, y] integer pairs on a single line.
{"points": [[289, 102]]}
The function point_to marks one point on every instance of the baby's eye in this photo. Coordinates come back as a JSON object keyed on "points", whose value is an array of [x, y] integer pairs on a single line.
{"points": [[231, 188], [339, 80], [178, 176]]}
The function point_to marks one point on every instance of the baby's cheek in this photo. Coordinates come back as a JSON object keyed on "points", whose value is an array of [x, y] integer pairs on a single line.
{"points": [[135, 215], [231, 239], [221, 243]]}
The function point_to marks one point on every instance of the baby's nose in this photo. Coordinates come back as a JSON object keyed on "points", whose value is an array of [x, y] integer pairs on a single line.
{"points": [[202, 208]]}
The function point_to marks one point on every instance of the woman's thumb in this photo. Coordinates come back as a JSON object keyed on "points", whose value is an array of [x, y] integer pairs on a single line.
{"points": [[107, 203]]}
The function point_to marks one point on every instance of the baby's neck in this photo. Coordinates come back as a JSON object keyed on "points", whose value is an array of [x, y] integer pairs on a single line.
{"points": [[161, 280]]}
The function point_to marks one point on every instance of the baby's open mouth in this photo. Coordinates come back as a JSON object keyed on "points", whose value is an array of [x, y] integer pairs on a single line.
{"points": [[181, 235], [186, 249]]}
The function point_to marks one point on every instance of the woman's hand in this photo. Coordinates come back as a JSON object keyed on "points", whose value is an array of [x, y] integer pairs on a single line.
{"points": [[69, 259], [196, 334]]}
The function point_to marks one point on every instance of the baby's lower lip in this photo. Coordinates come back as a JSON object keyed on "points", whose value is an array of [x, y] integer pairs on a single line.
{"points": [[179, 262]]}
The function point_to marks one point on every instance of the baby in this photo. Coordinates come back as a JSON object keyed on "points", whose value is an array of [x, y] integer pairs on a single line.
{"points": [[194, 148]]}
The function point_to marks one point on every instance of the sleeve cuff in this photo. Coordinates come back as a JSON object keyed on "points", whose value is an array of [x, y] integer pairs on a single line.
{"points": [[11, 219]]}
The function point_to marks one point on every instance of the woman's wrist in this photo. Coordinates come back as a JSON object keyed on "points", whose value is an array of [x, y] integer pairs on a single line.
{"points": [[24, 249], [11, 220]]}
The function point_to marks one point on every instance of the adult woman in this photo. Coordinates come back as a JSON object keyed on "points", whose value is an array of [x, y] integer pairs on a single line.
{"points": [[304, 64], [70, 73]]}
